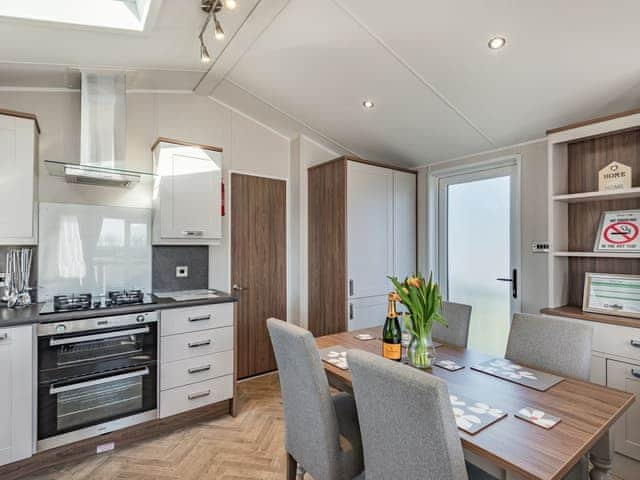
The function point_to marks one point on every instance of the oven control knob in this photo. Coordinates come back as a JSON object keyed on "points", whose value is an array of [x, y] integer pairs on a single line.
{"points": [[140, 318], [60, 328]]}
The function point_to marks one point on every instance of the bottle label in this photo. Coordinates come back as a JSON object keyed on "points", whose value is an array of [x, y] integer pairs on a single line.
{"points": [[392, 351]]}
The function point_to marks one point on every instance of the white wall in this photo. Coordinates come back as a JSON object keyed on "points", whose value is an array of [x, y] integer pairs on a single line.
{"points": [[248, 146], [534, 269]]}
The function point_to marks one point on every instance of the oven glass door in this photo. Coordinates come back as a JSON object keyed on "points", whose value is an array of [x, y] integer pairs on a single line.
{"points": [[77, 403], [66, 352]]}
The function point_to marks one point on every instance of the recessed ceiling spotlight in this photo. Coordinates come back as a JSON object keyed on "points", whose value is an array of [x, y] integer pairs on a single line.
{"points": [[368, 104], [497, 42]]}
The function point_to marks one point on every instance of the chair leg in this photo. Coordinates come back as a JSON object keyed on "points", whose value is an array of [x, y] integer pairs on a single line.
{"points": [[301, 472], [292, 467]]}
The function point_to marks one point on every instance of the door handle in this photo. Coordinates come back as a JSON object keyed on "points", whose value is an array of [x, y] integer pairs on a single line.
{"points": [[351, 288], [514, 282], [635, 373], [238, 288], [635, 343]]}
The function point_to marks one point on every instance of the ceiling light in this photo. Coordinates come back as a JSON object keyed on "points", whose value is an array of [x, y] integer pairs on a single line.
{"points": [[204, 53], [368, 104], [219, 33], [497, 42], [230, 4]]}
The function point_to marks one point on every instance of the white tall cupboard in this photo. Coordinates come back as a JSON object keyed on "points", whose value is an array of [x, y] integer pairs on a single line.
{"points": [[19, 166], [16, 393], [362, 229]]}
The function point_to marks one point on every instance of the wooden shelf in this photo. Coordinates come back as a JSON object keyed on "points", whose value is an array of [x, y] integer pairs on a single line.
{"points": [[596, 196], [596, 254], [572, 311]]}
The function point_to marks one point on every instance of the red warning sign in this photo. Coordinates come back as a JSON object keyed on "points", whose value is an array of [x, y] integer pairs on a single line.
{"points": [[620, 233]]}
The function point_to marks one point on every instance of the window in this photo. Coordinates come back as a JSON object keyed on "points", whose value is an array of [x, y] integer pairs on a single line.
{"points": [[118, 14]]}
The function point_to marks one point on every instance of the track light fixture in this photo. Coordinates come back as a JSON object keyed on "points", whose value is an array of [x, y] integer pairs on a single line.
{"points": [[211, 8]]}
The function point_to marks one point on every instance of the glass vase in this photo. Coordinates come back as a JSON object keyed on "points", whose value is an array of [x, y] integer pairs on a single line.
{"points": [[421, 353]]}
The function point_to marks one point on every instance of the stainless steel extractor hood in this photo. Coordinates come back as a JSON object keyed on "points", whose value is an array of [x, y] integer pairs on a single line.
{"points": [[102, 136]]}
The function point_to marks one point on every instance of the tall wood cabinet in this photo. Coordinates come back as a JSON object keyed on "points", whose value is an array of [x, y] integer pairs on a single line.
{"points": [[362, 229], [19, 166]]}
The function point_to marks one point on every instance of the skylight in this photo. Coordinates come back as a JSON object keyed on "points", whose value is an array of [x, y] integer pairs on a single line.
{"points": [[118, 14]]}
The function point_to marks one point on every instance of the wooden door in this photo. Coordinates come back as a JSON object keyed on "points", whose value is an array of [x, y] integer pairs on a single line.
{"points": [[258, 266]]}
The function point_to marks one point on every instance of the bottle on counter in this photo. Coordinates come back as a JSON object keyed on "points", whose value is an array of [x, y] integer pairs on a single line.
{"points": [[391, 333]]}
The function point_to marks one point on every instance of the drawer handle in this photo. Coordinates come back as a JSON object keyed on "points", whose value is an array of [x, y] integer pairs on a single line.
{"points": [[200, 318], [635, 343], [192, 233], [193, 396], [635, 373], [4, 336], [203, 368], [202, 343]]}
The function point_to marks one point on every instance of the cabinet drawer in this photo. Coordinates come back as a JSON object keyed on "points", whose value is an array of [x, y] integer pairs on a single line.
{"points": [[617, 340], [183, 320], [195, 344], [195, 395], [197, 369], [626, 377]]}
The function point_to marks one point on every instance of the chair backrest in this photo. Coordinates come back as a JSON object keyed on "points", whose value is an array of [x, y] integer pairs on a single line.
{"points": [[406, 421], [458, 317], [552, 344], [312, 434]]}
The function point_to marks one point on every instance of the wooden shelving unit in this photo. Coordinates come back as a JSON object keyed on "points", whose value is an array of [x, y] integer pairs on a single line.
{"points": [[575, 155]]}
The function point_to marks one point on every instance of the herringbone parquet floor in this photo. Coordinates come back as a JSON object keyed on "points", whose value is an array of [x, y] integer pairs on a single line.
{"points": [[248, 447]]}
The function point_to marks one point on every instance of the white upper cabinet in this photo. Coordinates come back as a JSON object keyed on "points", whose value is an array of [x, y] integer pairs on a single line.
{"points": [[16, 394], [404, 224], [369, 229], [18, 191], [187, 194]]}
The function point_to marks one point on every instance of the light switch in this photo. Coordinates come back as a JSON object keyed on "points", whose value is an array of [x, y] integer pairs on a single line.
{"points": [[182, 271], [540, 247]]}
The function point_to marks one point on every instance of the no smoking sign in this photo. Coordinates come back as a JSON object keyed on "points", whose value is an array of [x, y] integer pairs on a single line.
{"points": [[619, 231]]}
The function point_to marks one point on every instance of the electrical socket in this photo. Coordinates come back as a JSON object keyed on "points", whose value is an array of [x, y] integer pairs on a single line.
{"points": [[182, 271], [105, 447]]}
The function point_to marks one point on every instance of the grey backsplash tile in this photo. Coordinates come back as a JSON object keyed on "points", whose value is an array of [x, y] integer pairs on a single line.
{"points": [[167, 258]]}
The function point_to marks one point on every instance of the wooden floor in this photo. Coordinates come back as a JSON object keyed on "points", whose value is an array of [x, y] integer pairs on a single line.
{"points": [[250, 446]]}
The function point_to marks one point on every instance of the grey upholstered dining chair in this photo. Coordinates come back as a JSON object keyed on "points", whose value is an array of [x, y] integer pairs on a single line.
{"points": [[551, 344], [322, 431], [407, 423], [456, 333], [557, 346]]}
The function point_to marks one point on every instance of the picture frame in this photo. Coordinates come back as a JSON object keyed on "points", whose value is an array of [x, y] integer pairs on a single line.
{"points": [[612, 294], [619, 231]]}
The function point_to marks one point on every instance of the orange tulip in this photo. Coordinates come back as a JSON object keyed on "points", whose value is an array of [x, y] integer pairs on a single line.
{"points": [[414, 282]]}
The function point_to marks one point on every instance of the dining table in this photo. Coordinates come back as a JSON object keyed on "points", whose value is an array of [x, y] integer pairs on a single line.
{"points": [[512, 448]]}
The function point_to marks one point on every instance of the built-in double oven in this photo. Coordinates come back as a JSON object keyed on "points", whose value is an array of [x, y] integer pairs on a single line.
{"points": [[95, 376]]}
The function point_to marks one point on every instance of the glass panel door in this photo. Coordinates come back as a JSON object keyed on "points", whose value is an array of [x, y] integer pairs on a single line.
{"points": [[479, 251]]}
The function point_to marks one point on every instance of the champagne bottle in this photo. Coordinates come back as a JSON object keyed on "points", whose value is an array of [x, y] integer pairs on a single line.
{"points": [[391, 333]]}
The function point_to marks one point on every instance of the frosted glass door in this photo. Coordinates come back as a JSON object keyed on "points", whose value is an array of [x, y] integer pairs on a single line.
{"points": [[479, 252]]}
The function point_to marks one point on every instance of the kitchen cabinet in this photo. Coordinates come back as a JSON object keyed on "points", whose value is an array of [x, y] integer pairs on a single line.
{"points": [[197, 359], [19, 166], [16, 394], [615, 363], [626, 376], [187, 196], [362, 229]]}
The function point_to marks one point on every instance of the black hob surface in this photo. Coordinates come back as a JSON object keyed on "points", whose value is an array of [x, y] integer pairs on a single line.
{"points": [[87, 302]]}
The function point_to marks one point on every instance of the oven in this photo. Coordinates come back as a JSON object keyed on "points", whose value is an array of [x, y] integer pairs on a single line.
{"points": [[95, 376]]}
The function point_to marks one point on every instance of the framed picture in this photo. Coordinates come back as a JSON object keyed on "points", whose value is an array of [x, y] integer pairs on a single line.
{"points": [[612, 294], [619, 231]]}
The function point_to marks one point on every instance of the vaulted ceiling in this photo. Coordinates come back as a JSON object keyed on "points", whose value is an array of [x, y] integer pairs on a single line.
{"points": [[439, 91]]}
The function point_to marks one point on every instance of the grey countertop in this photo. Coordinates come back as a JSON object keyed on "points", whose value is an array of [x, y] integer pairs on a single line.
{"points": [[11, 317]]}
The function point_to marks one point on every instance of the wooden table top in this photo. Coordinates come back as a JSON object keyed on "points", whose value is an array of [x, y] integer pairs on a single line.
{"points": [[586, 411]]}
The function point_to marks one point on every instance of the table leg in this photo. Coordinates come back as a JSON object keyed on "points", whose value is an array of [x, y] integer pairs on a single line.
{"points": [[300, 473], [601, 457]]}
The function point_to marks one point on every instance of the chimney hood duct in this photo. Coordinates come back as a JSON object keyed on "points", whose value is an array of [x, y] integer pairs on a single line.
{"points": [[103, 130]]}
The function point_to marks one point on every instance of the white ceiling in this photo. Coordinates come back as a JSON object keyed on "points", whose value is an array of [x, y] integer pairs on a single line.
{"points": [[439, 91]]}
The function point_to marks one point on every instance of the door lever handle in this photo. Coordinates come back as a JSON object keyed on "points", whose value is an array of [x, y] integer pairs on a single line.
{"points": [[514, 282], [238, 288]]}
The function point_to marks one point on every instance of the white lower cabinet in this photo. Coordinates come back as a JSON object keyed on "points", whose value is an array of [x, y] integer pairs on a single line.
{"points": [[16, 393], [196, 366], [367, 312], [626, 376]]}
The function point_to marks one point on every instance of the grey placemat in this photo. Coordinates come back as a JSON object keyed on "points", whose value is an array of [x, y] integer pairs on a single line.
{"points": [[472, 416], [528, 377], [336, 356]]}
